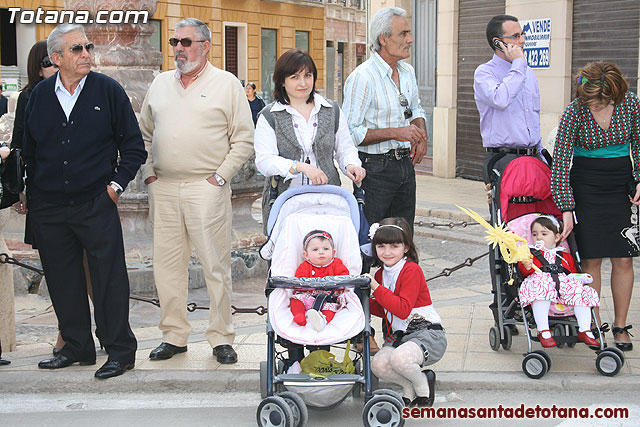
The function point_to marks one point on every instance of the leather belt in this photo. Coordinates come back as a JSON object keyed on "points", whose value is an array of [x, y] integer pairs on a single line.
{"points": [[509, 150], [393, 154]]}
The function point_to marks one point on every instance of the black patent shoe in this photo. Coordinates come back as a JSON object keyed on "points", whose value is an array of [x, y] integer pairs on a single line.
{"points": [[56, 351], [622, 345], [113, 368], [62, 361], [427, 402], [406, 401], [166, 351], [225, 354]]}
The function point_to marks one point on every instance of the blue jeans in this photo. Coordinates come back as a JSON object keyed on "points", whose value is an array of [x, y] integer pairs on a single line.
{"points": [[389, 188]]}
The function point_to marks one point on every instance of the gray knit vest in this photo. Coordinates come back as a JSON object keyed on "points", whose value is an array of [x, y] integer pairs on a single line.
{"points": [[288, 147]]}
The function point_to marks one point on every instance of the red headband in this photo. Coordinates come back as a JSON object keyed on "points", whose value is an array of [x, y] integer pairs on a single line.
{"points": [[314, 235]]}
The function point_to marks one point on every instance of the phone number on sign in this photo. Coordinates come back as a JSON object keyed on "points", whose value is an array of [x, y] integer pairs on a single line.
{"points": [[41, 16], [538, 57]]}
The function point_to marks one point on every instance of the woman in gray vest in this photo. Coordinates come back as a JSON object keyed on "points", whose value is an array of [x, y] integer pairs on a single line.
{"points": [[299, 135]]}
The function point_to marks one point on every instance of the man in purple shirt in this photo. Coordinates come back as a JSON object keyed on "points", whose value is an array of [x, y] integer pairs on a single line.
{"points": [[507, 96]]}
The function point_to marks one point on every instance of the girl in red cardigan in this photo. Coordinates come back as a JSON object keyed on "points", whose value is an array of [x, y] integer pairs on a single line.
{"points": [[541, 288], [318, 306], [414, 335]]}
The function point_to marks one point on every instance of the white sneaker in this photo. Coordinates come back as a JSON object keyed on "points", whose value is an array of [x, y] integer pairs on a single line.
{"points": [[317, 319]]}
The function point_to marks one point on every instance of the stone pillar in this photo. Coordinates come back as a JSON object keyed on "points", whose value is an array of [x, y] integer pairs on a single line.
{"points": [[123, 50], [7, 309]]}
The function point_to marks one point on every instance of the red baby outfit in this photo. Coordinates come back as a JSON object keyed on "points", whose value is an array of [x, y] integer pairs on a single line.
{"points": [[303, 300]]}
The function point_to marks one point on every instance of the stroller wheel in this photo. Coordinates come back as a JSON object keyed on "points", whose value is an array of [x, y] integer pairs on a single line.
{"points": [[382, 410], [534, 366], [387, 392], [494, 338], [508, 334], [608, 363], [298, 408], [558, 331], [274, 411], [617, 351], [546, 357], [572, 333], [263, 379]]}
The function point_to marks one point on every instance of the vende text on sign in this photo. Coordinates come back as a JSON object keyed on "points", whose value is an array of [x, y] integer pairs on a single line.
{"points": [[537, 40]]}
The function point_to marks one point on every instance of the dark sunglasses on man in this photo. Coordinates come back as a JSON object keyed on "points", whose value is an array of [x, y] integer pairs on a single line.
{"points": [[77, 48], [404, 103], [185, 42], [46, 62]]}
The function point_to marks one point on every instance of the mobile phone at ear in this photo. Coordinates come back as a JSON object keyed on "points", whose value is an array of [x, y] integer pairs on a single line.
{"points": [[498, 44]]}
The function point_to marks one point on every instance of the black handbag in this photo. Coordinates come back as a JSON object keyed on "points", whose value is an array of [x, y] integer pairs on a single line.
{"points": [[11, 176]]}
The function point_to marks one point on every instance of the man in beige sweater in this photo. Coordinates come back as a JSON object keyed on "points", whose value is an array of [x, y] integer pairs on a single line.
{"points": [[197, 128]]}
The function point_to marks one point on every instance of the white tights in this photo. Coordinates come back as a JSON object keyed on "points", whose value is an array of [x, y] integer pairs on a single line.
{"points": [[402, 366], [541, 315]]}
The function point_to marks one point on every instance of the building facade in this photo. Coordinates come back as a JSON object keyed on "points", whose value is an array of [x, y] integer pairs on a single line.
{"points": [[345, 42], [247, 35], [581, 31]]}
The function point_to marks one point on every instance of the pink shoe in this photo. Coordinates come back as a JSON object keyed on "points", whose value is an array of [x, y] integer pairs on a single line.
{"points": [[547, 342]]}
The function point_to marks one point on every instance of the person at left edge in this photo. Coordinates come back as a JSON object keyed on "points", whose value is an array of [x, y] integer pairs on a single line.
{"points": [[198, 131], [77, 124]]}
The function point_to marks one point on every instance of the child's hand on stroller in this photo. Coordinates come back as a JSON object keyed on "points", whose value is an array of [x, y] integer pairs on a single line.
{"points": [[527, 264], [355, 173], [373, 285], [315, 175], [567, 220]]}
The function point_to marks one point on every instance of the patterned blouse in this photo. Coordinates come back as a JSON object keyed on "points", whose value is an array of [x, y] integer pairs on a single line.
{"points": [[578, 128]]}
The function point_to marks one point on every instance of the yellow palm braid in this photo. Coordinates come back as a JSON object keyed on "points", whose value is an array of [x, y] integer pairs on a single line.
{"points": [[512, 247]]}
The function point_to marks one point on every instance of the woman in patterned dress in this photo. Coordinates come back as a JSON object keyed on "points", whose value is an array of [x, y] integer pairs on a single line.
{"points": [[601, 191]]}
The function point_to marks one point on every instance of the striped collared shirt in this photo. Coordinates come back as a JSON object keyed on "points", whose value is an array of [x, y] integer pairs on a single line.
{"points": [[371, 101]]}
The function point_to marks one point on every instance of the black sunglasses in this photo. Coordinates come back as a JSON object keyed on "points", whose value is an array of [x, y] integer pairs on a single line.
{"points": [[185, 42], [77, 48], [405, 104], [46, 62]]}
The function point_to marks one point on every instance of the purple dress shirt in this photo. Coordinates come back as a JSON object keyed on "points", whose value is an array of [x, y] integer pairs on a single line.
{"points": [[508, 100]]}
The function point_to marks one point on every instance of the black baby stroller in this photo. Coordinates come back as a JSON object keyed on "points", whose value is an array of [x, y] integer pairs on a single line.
{"points": [[286, 395], [518, 194]]}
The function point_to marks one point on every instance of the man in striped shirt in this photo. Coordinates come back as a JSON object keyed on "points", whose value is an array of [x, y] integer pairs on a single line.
{"points": [[386, 120]]}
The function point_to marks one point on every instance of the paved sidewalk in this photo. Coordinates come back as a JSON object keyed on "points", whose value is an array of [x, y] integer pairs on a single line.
{"points": [[469, 362]]}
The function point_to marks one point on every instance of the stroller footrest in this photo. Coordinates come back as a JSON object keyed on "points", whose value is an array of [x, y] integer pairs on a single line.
{"points": [[330, 379]]}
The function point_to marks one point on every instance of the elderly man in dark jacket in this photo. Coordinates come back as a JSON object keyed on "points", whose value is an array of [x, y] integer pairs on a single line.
{"points": [[77, 124]]}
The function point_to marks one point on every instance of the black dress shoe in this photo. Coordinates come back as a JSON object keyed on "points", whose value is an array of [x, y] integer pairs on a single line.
{"points": [[406, 401], [427, 402], [225, 354], [62, 361], [166, 351], [622, 345], [56, 351], [113, 368]]}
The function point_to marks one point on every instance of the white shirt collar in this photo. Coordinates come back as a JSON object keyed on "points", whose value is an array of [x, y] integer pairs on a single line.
{"points": [[60, 86], [318, 101]]}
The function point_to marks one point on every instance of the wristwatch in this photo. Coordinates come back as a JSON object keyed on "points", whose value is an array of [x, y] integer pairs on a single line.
{"points": [[116, 187], [221, 181]]}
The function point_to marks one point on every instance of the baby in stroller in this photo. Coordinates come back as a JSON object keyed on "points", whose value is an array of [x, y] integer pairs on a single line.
{"points": [[556, 282], [318, 306]]}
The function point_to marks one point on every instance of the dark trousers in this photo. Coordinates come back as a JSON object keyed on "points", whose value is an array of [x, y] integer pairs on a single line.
{"points": [[62, 232], [389, 188]]}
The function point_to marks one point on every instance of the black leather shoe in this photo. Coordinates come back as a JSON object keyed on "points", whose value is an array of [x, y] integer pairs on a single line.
{"points": [[622, 345], [166, 351], [56, 351], [406, 401], [113, 368], [427, 402], [62, 361], [225, 354]]}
